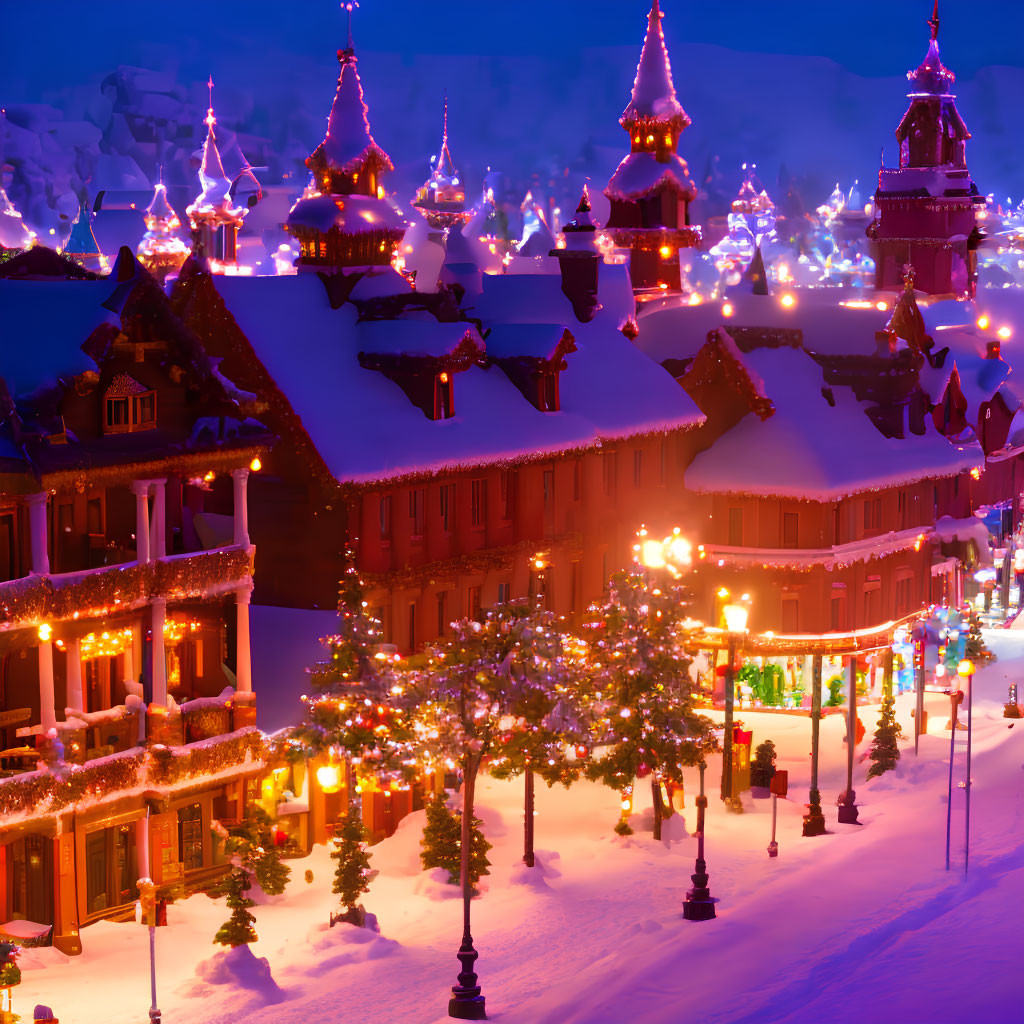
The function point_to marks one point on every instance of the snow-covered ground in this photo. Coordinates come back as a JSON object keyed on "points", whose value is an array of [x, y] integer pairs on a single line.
{"points": [[861, 924]]}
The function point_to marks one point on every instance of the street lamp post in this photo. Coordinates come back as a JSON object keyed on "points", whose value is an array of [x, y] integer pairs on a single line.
{"points": [[847, 802], [919, 635], [955, 697], [736, 624], [966, 669], [698, 905], [814, 820]]}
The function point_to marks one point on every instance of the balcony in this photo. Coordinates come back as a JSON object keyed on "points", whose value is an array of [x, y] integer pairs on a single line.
{"points": [[46, 793], [95, 592]]}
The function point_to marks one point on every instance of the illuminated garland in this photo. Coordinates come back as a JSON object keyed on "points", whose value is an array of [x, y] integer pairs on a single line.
{"points": [[39, 598], [42, 793]]}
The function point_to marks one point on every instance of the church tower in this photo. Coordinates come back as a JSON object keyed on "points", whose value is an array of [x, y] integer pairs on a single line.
{"points": [[925, 210], [651, 190], [343, 219]]}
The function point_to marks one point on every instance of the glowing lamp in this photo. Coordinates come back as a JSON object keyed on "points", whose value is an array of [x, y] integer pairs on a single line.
{"points": [[727, 309], [45, 632], [652, 554], [735, 618], [329, 778], [965, 669], [679, 550], [256, 465], [976, 473], [983, 322], [881, 306], [443, 378], [626, 804], [788, 300], [1005, 333], [665, 252]]}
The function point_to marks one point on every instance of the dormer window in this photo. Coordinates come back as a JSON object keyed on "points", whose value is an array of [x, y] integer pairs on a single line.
{"points": [[532, 357], [128, 406], [444, 405]]}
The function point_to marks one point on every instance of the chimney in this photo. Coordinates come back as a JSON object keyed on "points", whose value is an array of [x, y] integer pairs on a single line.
{"points": [[580, 262]]}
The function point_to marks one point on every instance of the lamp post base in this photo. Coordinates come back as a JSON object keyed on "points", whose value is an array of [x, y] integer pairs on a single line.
{"points": [[466, 1002], [848, 808], [698, 910], [698, 905], [814, 820]]}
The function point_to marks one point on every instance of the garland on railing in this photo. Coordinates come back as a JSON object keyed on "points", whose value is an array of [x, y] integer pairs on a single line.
{"points": [[40, 598], [44, 792]]}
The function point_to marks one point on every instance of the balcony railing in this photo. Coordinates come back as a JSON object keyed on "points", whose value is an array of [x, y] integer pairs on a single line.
{"points": [[94, 592], [47, 792]]}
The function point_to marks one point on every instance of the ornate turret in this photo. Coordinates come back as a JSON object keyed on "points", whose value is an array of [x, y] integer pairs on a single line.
{"points": [[651, 190], [81, 243], [161, 249], [926, 208], [343, 219], [442, 197], [214, 218]]}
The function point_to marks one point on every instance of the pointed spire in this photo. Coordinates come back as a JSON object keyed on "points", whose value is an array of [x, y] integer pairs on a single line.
{"points": [[82, 242], [932, 76], [654, 94], [348, 144], [212, 179]]}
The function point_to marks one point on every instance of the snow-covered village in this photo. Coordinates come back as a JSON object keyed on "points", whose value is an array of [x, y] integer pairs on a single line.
{"points": [[511, 514]]}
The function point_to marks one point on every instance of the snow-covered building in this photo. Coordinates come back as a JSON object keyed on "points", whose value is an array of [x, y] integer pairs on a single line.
{"points": [[125, 576], [926, 209], [344, 218], [651, 190]]}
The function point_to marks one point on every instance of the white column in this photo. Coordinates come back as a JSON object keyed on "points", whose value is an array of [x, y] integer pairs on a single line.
{"points": [[159, 659], [47, 714], [75, 698], [243, 654], [158, 526], [240, 478], [129, 664], [140, 488], [38, 531], [142, 847]]}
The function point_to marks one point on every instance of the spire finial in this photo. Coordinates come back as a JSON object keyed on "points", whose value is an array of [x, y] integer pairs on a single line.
{"points": [[445, 134], [210, 119], [348, 5], [933, 21]]}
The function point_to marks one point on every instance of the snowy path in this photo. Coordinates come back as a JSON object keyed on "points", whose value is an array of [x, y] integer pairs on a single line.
{"points": [[861, 924]]}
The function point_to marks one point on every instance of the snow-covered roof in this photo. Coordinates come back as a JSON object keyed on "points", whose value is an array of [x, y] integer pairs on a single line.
{"points": [[642, 173], [654, 94], [536, 341], [416, 337], [43, 326], [812, 448], [349, 144], [366, 428], [349, 214]]}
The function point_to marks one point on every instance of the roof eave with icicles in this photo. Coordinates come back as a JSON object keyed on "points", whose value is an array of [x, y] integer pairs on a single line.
{"points": [[653, 100]]}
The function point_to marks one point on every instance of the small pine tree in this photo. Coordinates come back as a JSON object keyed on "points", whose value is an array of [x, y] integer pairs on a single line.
{"points": [[884, 750], [763, 767], [976, 649], [352, 875], [238, 929], [835, 692], [441, 837], [253, 842], [442, 843]]}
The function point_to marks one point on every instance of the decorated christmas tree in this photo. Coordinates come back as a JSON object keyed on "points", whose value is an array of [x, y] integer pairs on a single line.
{"points": [[884, 750], [238, 929], [10, 972], [253, 842], [640, 694], [352, 874], [976, 649]]}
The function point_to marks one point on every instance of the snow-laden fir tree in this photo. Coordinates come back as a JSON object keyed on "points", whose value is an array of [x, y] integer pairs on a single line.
{"points": [[885, 751], [762, 768], [641, 697], [238, 930], [352, 873]]}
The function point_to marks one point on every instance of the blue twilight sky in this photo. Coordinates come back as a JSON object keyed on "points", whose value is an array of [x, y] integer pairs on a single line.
{"points": [[60, 42]]}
